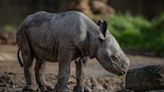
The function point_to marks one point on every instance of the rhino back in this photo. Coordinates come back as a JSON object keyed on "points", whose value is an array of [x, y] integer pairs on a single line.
{"points": [[46, 30]]}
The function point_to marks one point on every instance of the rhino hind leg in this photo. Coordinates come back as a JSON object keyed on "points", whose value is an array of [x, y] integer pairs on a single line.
{"points": [[80, 75], [40, 75], [28, 57]]}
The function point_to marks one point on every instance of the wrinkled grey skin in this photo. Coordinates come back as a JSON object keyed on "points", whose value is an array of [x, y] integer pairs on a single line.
{"points": [[64, 37]]}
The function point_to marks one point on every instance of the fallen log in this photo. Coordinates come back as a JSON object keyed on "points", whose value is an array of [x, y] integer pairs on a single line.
{"points": [[146, 79]]}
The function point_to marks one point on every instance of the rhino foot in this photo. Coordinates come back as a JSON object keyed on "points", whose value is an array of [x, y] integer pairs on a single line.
{"points": [[46, 88], [81, 89], [78, 89], [31, 88], [61, 88], [87, 89]]}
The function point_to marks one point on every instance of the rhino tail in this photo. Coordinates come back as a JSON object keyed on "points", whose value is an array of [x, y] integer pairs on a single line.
{"points": [[19, 59]]}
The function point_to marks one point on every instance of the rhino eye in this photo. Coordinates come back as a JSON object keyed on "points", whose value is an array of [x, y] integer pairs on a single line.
{"points": [[115, 57]]}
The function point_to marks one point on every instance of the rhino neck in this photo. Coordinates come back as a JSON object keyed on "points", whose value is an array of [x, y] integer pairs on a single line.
{"points": [[84, 47], [87, 48], [92, 51], [92, 46]]}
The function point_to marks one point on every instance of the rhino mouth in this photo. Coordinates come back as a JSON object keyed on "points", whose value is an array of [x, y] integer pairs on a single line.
{"points": [[117, 69], [112, 66], [121, 72]]}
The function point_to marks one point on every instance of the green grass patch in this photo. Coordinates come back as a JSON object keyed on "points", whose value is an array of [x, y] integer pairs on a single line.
{"points": [[137, 33]]}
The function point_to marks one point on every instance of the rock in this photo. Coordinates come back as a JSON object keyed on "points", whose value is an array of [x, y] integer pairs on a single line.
{"points": [[146, 79]]}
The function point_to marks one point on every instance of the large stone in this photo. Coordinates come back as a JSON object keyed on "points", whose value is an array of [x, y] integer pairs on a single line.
{"points": [[146, 78]]}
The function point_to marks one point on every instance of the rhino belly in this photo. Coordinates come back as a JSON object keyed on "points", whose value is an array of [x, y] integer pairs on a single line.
{"points": [[45, 49], [46, 54]]}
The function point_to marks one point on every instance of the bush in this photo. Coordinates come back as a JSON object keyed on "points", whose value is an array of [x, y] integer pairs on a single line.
{"points": [[137, 33], [158, 23]]}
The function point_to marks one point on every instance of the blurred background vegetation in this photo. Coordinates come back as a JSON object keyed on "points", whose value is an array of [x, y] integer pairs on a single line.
{"points": [[138, 25]]}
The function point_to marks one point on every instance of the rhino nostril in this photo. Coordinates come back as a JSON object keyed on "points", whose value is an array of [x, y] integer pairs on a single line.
{"points": [[123, 72]]}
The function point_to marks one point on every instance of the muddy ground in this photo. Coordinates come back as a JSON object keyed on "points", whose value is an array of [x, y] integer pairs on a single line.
{"points": [[98, 79]]}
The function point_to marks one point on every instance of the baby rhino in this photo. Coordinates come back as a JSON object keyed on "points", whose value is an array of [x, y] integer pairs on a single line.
{"points": [[65, 37]]}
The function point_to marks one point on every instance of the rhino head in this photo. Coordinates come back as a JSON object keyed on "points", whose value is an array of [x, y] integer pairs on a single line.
{"points": [[108, 53]]}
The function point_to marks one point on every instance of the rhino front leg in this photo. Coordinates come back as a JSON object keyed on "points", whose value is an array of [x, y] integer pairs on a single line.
{"points": [[28, 72], [64, 60], [40, 75], [80, 75]]}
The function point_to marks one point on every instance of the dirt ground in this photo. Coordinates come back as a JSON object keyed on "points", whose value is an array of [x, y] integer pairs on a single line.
{"points": [[98, 79]]}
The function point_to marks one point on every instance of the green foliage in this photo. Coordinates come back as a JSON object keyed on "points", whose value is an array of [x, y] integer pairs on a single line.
{"points": [[158, 23], [137, 33]]}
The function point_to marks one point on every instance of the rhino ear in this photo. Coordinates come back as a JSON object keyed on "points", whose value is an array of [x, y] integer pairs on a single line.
{"points": [[103, 26], [100, 22]]}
